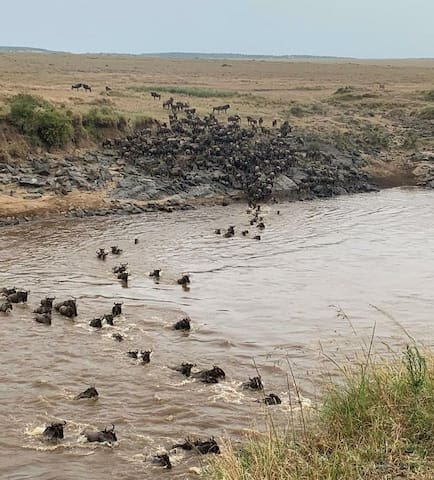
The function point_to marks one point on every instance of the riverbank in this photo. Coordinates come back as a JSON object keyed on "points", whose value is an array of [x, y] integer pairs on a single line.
{"points": [[375, 425]]}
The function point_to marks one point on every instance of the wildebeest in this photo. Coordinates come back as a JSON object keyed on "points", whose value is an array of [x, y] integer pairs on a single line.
{"points": [[163, 460], [221, 108], [272, 399], [244, 233], [210, 376], [90, 392], [254, 383], [108, 89], [54, 431], [44, 318], [252, 121], [120, 268], [230, 233], [201, 446], [184, 368], [285, 128], [136, 241], [68, 308], [20, 296], [118, 337], [234, 119], [190, 111], [96, 323], [168, 103], [144, 355], [6, 307], [218, 231], [155, 274], [183, 324], [117, 309], [116, 250], [46, 305], [260, 225], [101, 253], [184, 280], [76, 86], [109, 319], [155, 95], [106, 435], [257, 237], [275, 123], [123, 276], [86, 87]]}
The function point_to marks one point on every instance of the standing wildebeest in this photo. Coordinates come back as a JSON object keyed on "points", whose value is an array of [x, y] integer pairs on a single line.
{"points": [[234, 119], [155, 95], [86, 87], [168, 103], [76, 86], [221, 108], [275, 123], [251, 121]]}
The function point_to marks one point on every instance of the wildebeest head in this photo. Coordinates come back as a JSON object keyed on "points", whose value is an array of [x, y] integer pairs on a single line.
{"points": [[96, 323], [109, 319], [117, 309], [6, 307], [183, 324], [185, 368], [48, 302], [163, 460], [272, 399], [8, 291], [54, 431], [184, 280], [67, 308], [155, 273], [254, 383], [123, 276], [90, 392], [146, 356], [120, 268]]}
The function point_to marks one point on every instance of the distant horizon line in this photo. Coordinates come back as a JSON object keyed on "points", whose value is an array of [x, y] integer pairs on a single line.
{"points": [[210, 55]]}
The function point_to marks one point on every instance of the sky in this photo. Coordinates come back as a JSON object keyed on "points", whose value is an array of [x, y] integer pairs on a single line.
{"points": [[349, 28]]}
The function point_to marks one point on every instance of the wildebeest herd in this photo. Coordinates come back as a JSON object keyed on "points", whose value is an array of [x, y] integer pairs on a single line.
{"points": [[44, 314]]}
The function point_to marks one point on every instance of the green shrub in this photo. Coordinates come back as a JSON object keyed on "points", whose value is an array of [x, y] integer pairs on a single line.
{"points": [[429, 95], [427, 113], [98, 119], [54, 128], [201, 92]]}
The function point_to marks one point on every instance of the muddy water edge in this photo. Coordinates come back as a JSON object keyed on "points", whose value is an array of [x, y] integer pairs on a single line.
{"points": [[263, 302]]}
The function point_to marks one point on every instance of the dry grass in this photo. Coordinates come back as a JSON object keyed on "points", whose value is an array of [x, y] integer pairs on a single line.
{"points": [[375, 425]]}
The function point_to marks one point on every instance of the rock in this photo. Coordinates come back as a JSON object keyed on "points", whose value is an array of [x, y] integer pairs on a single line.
{"points": [[31, 182], [284, 187]]}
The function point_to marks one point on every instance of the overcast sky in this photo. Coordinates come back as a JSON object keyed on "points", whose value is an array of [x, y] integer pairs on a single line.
{"points": [[358, 28]]}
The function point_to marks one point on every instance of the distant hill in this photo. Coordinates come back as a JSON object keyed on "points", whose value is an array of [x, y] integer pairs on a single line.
{"points": [[23, 49], [232, 56]]}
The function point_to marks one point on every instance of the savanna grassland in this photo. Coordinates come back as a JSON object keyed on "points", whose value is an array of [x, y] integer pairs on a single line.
{"points": [[383, 110]]}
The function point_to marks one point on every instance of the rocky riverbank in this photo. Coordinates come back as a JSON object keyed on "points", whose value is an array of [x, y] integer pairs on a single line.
{"points": [[176, 166]]}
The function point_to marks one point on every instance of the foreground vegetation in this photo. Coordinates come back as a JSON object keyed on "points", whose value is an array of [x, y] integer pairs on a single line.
{"points": [[377, 424]]}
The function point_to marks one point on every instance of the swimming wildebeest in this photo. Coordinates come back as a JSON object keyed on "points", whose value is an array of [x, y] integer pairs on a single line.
{"points": [[117, 309], [155, 95], [86, 87], [201, 446], [116, 250], [257, 237], [54, 431], [101, 254], [118, 337], [230, 233], [184, 280], [144, 355], [20, 296], [136, 241], [254, 383], [8, 291], [210, 376], [221, 108], [44, 318], [163, 460], [6, 307], [108, 318], [155, 274], [123, 276], [183, 324], [90, 392], [46, 305], [260, 225], [76, 86], [68, 308], [106, 435], [121, 268], [244, 233], [272, 399], [218, 231], [96, 323], [184, 368]]}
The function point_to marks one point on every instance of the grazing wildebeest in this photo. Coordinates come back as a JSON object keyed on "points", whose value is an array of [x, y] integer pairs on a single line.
{"points": [[184, 368], [101, 253], [76, 86], [86, 87], [183, 324], [210, 376], [117, 309], [155, 274], [106, 435], [6, 307], [121, 268], [54, 431], [201, 446], [67, 308], [20, 296], [155, 95], [272, 399], [116, 250], [44, 318], [254, 383], [90, 392], [184, 280], [163, 460], [221, 108]]}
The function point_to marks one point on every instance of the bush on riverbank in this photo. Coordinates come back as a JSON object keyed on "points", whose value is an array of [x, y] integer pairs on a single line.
{"points": [[201, 92], [377, 425]]}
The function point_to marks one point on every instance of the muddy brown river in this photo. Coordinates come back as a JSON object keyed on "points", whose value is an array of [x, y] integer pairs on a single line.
{"points": [[267, 302]]}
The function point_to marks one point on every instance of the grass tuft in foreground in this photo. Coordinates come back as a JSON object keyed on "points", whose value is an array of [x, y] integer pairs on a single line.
{"points": [[377, 424]]}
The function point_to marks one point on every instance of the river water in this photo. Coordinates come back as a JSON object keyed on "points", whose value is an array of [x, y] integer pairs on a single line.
{"points": [[272, 303]]}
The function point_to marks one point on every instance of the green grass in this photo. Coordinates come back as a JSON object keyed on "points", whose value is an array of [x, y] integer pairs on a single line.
{"points": [[201, 92], [375, 424], [429, 95], [427, 113]]}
